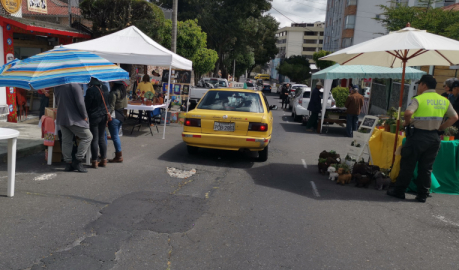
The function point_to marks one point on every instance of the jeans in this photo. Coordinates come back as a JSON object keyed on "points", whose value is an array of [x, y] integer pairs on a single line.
{"points": [[44, 102], [312, 122], [67, 142], [114, 128], [97, 127], [351, 124], [285, 101]]}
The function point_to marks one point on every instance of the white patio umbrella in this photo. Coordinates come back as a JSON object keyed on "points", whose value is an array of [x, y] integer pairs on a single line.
{"points": [[406, 47]]}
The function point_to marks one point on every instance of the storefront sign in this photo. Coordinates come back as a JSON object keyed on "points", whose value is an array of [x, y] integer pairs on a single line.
{"points": [[11, 6], [39, 6]]}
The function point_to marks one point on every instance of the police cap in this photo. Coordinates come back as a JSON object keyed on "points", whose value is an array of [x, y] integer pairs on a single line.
{"points": [[455, 84]]}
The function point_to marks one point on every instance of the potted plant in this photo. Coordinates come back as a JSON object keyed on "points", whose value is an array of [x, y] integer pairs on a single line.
{"points": [[450, 132]]}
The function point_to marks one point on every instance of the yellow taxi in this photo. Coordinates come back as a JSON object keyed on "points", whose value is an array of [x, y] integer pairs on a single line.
{"points": [[230, 119]]}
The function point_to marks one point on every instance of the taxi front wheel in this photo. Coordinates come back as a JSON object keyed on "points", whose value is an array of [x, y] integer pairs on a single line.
{"points": [[263, 154], [192, 150]]}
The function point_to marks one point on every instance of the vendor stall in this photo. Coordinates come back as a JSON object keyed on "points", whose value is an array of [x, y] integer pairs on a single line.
{"points": [[360, 72], [445, 174], [132, 46]]}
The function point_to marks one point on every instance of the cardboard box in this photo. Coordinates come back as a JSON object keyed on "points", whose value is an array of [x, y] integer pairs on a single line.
{"points": [[57, 147], [51, 112], [57, 157]]}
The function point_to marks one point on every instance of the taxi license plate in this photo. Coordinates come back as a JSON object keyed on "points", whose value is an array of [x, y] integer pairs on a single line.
{"points": [[218, 126]]}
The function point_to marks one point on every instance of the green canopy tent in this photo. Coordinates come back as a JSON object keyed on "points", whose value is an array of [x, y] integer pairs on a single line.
{"points": [[360, 72]]}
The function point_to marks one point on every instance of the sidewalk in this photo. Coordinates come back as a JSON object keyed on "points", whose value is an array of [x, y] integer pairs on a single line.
{"points": [[29, 141]]}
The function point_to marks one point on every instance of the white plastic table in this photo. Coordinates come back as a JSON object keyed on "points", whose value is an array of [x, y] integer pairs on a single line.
{"points": [[12, 136]]}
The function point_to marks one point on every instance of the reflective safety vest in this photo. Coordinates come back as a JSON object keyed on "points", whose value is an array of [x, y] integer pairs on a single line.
{"points": [[432, 106]]}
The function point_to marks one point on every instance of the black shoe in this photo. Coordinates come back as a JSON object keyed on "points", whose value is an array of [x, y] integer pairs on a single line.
{"points": [[397, 195], [69, 167], [77, 164], [421, 198]]}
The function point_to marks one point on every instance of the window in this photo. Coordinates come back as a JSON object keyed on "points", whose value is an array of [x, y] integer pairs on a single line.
{"points": [[321, 41], [350, 22], [309, 49], [310, 33], [346, 42], [310, 41], [232, 101], [321, 34], [351, 2]]}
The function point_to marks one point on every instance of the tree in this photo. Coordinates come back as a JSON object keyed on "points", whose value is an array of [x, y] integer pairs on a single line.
{"points": [[264, 41], [191, 44], [321, 64], [109, 16], [230, 25], [204, 62], [434, 20], [296, 68]]}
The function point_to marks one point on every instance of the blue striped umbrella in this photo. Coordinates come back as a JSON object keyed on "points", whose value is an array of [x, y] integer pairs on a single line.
{"points": [[58, 67]]}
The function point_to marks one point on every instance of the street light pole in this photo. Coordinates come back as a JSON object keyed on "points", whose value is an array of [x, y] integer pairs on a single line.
{"points": [[234, 70], [174, 26]]}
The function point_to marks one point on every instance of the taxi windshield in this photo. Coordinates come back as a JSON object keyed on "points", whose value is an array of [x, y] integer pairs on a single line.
{"points": [[232, 101]]}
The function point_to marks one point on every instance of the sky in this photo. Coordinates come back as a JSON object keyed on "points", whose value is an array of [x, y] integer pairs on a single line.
{"points": [[307, 11]]}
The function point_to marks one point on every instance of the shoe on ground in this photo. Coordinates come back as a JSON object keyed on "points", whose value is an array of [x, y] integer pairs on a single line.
{"points": [[78, 165], [69, 167], [397, 195], [421, 199]]}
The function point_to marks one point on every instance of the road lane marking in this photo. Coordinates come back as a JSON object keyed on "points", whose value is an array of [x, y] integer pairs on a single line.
{"points": [[314, 189], [304, 164], [442, 218]]}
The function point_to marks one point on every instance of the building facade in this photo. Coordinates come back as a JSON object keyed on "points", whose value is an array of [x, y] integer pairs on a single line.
{"points": [[298, 39], [350, 22]]}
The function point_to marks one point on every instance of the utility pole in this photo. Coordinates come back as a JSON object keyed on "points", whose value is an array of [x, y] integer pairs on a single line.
{"points": [[70, 12], [174, 26], [234, 70]]}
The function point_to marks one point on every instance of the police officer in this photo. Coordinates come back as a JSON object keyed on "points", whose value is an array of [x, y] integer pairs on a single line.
{"points": [[423, 125]]}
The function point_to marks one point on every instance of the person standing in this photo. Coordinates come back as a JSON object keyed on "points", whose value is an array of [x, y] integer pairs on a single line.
{"points": [[315, 107], [447, 85], [117, 102], [73, 121], [354, 104], [423, 125], [95, 100], [454, 99], [284, 95], [44, 101]]}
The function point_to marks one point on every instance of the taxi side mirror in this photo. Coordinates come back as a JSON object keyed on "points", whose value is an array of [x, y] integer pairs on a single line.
{"points": [[273, 107]]}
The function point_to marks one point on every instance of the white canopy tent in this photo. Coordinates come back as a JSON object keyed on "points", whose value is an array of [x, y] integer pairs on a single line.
{"points": [[360, 72], [132, 46]]}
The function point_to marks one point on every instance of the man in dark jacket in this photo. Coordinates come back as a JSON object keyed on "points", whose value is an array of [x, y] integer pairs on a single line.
{"points": [[315, 107], [73, 120], [454, 99], [284, 95], [354, 104]]}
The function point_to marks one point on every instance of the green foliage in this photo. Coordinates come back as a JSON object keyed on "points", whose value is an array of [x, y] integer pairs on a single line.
{"points": [[108, 16], [434, 20], [451, 131], [392, 113], [322, 160], [340, 95], [321, 64], [204, 62], [296, 68], [191, 44], [264, 41], [231, 27]]}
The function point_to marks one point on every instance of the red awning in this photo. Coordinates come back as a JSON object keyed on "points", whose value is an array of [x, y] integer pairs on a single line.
{"points": [[45, 30]]}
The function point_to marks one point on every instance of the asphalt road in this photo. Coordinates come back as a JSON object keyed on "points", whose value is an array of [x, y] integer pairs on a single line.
{"points": [[235, 213]]}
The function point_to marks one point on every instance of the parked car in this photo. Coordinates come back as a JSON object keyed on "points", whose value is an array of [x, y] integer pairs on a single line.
{"points": [[266, 88], [230, 119], [301, 102], [291, 95], [251, 86]]}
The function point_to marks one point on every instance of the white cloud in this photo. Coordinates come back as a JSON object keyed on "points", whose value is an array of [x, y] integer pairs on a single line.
{"points": [[298, 11]]}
